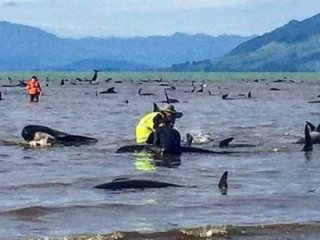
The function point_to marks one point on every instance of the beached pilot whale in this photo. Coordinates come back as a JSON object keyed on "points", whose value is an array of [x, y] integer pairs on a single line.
{"points": [[225, 143], [126, 183], [151, 148], [42, 135]]}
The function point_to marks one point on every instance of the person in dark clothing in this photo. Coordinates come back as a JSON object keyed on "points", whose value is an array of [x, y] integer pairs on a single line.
{"points": [[150, 122], [167, 138]]}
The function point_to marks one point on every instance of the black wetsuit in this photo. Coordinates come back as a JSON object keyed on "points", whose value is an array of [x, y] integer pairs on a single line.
{"points": [[168, 139], [156, 122]]}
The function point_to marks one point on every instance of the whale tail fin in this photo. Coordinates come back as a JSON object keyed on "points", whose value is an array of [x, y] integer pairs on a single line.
{"points": [[308, 140], [223, 184], [225, 142], [311, 126], [318, 128]]}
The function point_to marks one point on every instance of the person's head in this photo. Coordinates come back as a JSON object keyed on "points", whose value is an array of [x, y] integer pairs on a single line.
{"points": [[170, 114], [34, 78], [169, 118]]}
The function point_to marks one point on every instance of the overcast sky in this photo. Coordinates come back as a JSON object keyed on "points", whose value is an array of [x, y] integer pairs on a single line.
{"points": [[127, 18]]}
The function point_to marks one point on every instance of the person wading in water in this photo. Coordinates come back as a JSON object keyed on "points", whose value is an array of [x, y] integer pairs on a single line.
{"points": [[34, 89]]}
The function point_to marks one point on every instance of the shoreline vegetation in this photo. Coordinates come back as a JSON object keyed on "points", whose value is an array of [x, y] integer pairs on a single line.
{"points": [[309, 230]]}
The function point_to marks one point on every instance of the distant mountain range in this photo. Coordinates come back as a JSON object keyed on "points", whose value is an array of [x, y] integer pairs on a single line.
{"points": [[293, 47], [29, 48]]}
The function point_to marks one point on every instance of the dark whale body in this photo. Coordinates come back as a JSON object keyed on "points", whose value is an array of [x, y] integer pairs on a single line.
{"points": [[184, 149], [63, 138], [20, 84], [125, 183]]}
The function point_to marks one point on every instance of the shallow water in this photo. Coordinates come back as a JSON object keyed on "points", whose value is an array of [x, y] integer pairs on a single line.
{"points": [[49, 191]]}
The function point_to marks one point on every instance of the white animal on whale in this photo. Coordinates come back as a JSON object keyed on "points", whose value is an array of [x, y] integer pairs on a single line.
{"points": [[41, 139]]}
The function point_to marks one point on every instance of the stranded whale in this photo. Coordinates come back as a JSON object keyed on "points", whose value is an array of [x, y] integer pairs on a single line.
{"points": [[126, 183], [151, 148], [41, 134]]}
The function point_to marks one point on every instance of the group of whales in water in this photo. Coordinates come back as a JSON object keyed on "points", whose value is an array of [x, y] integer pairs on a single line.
{"points": [[94, 80], [36, 135]]}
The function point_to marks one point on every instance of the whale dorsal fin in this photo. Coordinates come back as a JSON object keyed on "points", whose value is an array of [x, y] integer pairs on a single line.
{"points": [[311, 126], [223, 184], [308, 140], [156, 108], [225, 142], [111, 90]]}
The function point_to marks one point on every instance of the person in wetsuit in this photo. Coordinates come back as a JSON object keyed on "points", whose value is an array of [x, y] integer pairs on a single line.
{"points": [[166, 138]]}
